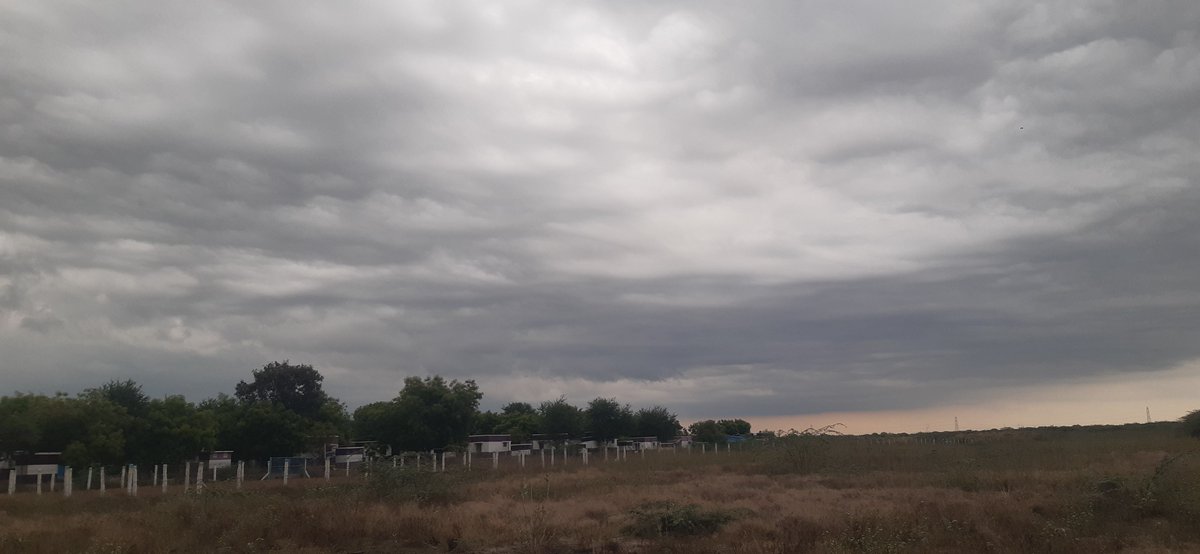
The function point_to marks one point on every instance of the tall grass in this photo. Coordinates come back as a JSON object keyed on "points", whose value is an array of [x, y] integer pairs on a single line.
{"points": [[1069, 490]]}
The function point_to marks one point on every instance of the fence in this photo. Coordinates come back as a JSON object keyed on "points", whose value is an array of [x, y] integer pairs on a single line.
{"points": [[196, 477]]}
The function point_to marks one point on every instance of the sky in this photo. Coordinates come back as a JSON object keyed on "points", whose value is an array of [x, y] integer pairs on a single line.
{"points": [[793, 212]]}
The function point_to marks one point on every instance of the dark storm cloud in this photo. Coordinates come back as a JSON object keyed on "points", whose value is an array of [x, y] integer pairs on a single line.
{"points": [[776, 208]]}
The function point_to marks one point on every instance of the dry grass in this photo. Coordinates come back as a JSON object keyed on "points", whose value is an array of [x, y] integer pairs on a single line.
{"points": [[1116, 489]]}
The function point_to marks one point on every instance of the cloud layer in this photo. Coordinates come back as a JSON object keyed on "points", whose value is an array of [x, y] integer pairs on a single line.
{"points": [[764, 209]]}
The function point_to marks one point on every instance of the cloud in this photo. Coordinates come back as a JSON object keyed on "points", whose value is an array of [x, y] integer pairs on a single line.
{"points": [[777, 209]]}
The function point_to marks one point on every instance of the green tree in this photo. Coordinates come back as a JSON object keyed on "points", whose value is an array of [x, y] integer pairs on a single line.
{"points": [[607, 419], [428, 413], [520, 420], [734, 426], [658, 422], [176, 430], [486, 423], [560, 417], [707, 431], [295, 387]]}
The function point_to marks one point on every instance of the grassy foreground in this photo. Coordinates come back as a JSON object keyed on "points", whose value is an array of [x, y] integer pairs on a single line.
{"points": [[1133, 488]]}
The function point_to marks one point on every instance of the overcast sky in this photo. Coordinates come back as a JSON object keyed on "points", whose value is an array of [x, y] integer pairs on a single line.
{"points": [[754, 209]]}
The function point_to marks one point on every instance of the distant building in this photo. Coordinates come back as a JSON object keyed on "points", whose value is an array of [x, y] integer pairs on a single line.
{"points": [[219, 459], [547, 440], [645, 443], [349, 454], [683, 441], [481, 444]]}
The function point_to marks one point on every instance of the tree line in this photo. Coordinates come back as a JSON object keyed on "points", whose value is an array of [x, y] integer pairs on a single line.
{"points": [[283, 409]]}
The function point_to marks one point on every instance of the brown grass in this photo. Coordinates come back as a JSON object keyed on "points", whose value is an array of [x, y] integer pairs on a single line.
{"points": [[1120, 489]]}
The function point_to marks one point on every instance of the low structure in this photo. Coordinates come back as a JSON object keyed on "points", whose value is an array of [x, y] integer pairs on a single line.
{"points": [[38, 463], [645, 443], [219, 459], [542, 441], [349, 454], [480, 444]]}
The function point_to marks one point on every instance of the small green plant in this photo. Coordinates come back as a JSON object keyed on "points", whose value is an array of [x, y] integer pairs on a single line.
{"points": [[658, 519]]}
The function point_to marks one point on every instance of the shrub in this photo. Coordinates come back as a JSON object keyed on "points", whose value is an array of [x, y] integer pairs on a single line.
{"points": [[669, 519], [413, 485], [1191, 423]]}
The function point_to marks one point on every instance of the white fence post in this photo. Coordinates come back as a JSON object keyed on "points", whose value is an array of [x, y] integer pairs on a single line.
{"points": [[53, 478], [327, 469], [39, 483], [154, 481], [164, 478], [187, 475], [199, 476], [133, 481], [552, 456], [89, 479], [12, 481], [241, 474], [347, 468], [67, 477], [287, 465], [103, 485]]}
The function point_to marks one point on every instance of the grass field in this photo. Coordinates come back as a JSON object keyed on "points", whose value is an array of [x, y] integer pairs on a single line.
{"points": [[1132, 488]]}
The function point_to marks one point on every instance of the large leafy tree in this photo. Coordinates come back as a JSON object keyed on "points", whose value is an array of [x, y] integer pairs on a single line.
{"points": [[707, 431], [428, 413], [658, 422], [607, 419], [520, 420], [560, 417], [257, 430], [296, 388], [175, 430], [734, 426]]}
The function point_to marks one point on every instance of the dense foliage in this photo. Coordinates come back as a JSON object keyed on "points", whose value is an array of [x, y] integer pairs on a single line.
{"points": [[283, 409]]}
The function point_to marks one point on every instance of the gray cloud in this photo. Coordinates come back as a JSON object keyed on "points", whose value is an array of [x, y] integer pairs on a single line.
{"points": [[767, 209]]}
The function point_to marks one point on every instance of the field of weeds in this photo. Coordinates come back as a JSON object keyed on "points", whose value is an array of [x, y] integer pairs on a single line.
{"points": [[1133, 488]]}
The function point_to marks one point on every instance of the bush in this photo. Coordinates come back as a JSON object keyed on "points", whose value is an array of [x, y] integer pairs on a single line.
{"points": [[658, 519], [1191, 423], [412, 485]]}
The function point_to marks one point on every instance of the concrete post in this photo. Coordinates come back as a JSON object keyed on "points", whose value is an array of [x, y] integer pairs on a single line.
{"points": [[67, 478], [164, 478], [495, 460], [187, 475], [287, 466], [88, 487], [12, 482]]}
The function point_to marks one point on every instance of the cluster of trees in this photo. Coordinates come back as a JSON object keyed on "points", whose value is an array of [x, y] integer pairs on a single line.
{"points": [[603, 419], [283, 409], [716, 431]]}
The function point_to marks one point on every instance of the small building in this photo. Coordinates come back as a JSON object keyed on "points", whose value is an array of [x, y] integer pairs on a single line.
{"points": [[645, 443], [591, 443], [38, 463], [349, 454], [542, 441], [683, 441], [482, 444], [522, 449], [219, 459]]}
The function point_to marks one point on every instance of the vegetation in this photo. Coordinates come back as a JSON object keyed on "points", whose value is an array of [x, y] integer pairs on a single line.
{"points": [[283, 410], [1065, 490]]}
